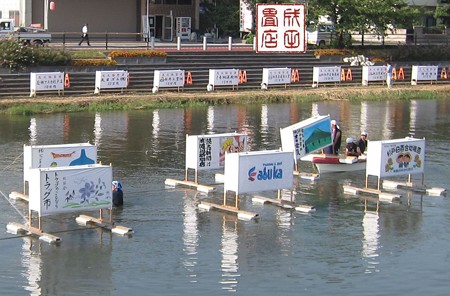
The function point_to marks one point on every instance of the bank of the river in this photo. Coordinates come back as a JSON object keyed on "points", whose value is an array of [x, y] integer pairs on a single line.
{"points": [[133, 101]]}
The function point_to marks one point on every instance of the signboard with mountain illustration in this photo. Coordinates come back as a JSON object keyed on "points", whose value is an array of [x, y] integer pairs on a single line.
{"points": [[306, 136], [44, 156], [67, 189], [258, 171], [395, 157]]}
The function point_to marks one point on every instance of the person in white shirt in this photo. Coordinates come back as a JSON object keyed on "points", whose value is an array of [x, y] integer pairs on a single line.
{"points": [[84, 35]]}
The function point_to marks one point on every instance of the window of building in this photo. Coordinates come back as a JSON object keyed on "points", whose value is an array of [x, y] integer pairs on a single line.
{"points": [[15, 14]]}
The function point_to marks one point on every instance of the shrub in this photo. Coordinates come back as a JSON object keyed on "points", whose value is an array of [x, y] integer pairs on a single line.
{"points": [[136, 53], [94, 62], [15, 56]]}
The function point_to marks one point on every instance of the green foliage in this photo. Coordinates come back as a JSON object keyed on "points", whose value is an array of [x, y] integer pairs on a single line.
{"points": [[88, 54], [136, 53], [223, 14], [16, 56], [421, 53]]}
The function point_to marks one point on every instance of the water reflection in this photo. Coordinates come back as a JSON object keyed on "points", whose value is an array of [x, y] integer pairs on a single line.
{"points": [[210, 116], [370, 239], [98, 129], [190, 234], [33, 131], [31, 261], [229, 250]]}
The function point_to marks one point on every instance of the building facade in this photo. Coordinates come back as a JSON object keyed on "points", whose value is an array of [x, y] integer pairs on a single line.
{"points": [[167, 18]]}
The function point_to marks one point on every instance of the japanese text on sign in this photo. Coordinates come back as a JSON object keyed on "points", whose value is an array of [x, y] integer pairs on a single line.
{"points": [[281, 28]]}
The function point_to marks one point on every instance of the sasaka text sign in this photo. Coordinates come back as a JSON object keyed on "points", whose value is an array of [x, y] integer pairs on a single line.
{"points": [[280, 28], [258, 171]]}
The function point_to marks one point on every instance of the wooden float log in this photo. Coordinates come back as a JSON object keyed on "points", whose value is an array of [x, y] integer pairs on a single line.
{"points": [[285, 204], [305, 209], [199, 187], [382, 196], [117, 229], [433, 191], [242, 215], [307, 176], [17, 228], [17, 195], [219, 178]]}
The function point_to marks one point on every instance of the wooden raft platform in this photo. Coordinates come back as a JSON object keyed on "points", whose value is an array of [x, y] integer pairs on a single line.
{"points": [[307, 176], [382, 196], [17, 228], [242, 215], [285, 204], [17, 195], [434, 191], [199, 187], [122, 230]]}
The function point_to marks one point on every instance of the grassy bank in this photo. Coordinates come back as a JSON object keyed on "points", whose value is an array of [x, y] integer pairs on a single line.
{"points": [[134, 101]]}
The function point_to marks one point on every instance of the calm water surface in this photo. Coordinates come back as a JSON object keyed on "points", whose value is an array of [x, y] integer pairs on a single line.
{"points": [[341, 249]]}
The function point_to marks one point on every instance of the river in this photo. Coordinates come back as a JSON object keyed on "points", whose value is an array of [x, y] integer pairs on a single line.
{"points": [[176, 249]]}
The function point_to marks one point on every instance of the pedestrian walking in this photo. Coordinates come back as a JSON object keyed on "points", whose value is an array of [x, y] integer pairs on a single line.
{"points": [[84, 35], [388, 75]]}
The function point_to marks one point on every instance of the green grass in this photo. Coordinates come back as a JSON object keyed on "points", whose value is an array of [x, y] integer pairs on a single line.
{"points": [[88, 54]]}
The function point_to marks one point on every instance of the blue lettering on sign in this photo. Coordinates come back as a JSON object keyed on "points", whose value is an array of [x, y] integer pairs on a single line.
{"points": [[269, 172]]}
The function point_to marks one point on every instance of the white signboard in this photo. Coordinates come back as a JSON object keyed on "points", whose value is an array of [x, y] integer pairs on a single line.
{"points": [[245, 16], [373, 73], [46, 81], [306, 136], [69, 189], [258, 171], [423, 73], [45, 156], [223, 77], [326, 74], [207, 152], [280, 28], [276, 76], [395, 157], [111, 79], [168, 78]]}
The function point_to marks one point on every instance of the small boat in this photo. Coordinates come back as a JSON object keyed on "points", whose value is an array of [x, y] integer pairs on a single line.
{"points": [[336, 163]]}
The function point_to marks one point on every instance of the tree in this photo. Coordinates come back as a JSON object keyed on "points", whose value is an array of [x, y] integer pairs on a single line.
{"points": [[442, 14], [221, 16]]}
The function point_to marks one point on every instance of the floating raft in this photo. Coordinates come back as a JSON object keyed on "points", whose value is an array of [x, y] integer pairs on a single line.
{"points": [[242, 215], [382, 196], [17, 228], [84, 220], [307, 176], [16, 195], [434, 191], [285, 204], [199, 187]]}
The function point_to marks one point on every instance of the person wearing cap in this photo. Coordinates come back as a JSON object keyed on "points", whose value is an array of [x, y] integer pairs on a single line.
{"points": [[117, 194], [352, 149], [362, 142], [336, 137]]}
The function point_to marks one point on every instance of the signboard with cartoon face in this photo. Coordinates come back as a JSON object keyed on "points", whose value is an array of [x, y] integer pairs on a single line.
{"points": [[70, 189], [306, 136], [258, 171], [395, 157], [207, 152]]}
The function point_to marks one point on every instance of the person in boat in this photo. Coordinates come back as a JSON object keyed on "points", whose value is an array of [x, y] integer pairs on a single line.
{"points": [[362, 142], [336, 135], [117, 194], [352, 149]]}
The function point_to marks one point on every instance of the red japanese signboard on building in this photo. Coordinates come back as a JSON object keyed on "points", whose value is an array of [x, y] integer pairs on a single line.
{"points": [[280, 28]]}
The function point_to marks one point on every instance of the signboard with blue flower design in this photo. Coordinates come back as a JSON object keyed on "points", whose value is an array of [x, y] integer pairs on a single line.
{"points": [[69, 189]]}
